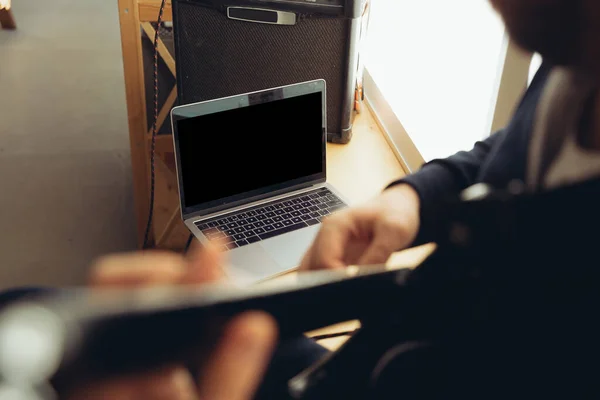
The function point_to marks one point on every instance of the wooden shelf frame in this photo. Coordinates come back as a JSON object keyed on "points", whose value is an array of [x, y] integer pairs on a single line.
{"points": [[136, 19]]}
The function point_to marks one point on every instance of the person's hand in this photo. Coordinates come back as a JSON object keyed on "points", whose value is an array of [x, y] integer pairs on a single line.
{"points": [[366, 234], [236, 366]]}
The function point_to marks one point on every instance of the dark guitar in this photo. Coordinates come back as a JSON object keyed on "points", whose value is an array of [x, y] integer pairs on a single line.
{"points": [[505, 307]]}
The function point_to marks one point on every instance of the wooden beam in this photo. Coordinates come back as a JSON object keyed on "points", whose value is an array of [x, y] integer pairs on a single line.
{"points": [[163, 145], [166, 168], [136, 111], [162, 49], [169, 230], [7, 21], [164, 236], [148, 10]]}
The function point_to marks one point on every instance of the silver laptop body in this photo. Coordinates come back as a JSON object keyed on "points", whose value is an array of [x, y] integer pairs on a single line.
{"points": [[251, 171]]}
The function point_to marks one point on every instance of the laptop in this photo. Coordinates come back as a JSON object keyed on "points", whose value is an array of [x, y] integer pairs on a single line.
{"points": [[251, 170]]}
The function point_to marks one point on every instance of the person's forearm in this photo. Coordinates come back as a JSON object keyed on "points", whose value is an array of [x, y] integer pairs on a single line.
{"points": [[451, 175], [440, 179]]}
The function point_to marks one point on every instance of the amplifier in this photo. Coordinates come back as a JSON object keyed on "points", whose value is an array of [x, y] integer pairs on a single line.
{"points": [[224, 48]]}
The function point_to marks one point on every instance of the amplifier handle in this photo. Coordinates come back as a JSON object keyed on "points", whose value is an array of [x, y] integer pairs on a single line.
{"points": [[261, 15]]}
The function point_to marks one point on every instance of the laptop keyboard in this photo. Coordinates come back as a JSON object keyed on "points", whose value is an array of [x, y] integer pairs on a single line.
{"points": [[271, 219]]}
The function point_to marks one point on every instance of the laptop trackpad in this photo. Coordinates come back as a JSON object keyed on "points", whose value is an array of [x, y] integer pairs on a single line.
{"points": [[250, 264], [287, 250]]}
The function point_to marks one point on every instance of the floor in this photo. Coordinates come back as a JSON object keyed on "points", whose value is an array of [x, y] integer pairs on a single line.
{"points": [[65, 174]]}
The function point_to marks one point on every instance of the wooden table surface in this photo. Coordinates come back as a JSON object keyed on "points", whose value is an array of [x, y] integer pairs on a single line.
{"points": [[362, 168]]}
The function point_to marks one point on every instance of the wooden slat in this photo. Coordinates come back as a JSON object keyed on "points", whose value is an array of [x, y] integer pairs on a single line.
{"points": [[148, 10], [136, 106], [171, 224], [162, 49], [161, 165], [166, 109], [165, 229], [163, 145], [166, 205]]}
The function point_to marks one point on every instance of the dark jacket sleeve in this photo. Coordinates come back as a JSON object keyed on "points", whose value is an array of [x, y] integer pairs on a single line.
{"points": [[442, 178], [439, 179]]}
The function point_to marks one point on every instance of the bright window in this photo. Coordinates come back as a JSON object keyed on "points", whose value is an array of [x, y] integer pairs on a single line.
{"points": [[437, 63]]}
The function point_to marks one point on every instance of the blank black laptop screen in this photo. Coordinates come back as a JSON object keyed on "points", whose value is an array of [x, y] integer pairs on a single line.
{"points": [[245, 149]]}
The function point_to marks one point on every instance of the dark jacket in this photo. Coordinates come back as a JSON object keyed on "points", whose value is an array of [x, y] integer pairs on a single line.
{"points": [[496, 161]]}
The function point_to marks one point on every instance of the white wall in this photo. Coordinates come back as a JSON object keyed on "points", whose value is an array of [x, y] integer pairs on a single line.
{"points": [[437, 63]]}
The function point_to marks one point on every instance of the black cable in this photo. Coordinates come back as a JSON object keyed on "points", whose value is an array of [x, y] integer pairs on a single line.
{"points": [[189, 243], [154, 127]]}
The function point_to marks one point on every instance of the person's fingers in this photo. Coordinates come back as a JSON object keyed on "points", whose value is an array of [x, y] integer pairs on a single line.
{"points": [[205, 265], [389, 236], [237, 366], [378, 252], [327, 250], [173, 383], [331, 245], [354, 251], [138, 269]]}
